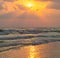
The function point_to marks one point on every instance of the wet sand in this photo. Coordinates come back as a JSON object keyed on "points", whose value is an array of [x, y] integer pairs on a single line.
{"points": [[50, 50]]}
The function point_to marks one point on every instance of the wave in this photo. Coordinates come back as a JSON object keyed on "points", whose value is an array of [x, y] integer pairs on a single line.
{"points": [[7, 45], [29, 31], [27, 36], [15, 38]]}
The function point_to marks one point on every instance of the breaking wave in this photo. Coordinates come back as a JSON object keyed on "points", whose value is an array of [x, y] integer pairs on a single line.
{"points": [[15, 38]]}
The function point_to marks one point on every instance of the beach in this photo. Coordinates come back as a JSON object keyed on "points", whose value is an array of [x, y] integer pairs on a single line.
{"points": [[50, 50]]}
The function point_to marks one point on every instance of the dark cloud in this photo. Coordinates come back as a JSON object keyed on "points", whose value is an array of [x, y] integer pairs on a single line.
{"points": [[1, 7], [28, 16], [10, 0], [55, 0], [6, 16], [54, 6], [49, 0]]}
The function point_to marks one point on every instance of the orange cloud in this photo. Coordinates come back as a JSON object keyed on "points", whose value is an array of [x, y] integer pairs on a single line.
{"points": [[15, 12]]}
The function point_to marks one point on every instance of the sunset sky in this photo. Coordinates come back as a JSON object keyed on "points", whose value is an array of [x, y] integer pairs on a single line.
{"points": [[29, 13]]}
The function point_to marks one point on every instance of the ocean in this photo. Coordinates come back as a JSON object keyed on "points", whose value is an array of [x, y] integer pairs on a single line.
{"points": [[30, 43]]}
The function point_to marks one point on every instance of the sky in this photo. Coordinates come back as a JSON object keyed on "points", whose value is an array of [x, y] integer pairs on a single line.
{"points": [[29, 13]]}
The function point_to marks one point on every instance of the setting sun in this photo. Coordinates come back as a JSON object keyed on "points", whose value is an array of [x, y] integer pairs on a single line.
{"points": [[29, 5], [32, 5]]}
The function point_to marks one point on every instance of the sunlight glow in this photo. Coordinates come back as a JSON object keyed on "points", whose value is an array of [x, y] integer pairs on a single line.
{"points": [[29, 5], [32, 6]]}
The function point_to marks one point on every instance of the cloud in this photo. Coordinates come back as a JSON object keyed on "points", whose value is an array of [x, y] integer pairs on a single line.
{"points": [[11, 6], [21, 7], [7, 7], [13, 12], [9, 0], [54, 16], [1, 7], [26, 15], [17, 15], [7, 16], [42, 0], [55, 0], [49, 0], [54, 6]]}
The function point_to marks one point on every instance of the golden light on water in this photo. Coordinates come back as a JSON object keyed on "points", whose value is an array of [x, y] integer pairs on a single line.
{"points": [[33, 52], [38, 51]]}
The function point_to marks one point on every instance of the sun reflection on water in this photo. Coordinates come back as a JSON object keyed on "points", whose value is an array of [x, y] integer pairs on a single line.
{"points": [[33, 52]]}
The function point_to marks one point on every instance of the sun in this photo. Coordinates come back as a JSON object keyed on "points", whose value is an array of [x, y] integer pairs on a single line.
{"points": [[29, 5], [36, 7]]}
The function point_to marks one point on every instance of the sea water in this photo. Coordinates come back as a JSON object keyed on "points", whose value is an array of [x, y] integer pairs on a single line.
{"points": [[30, 43]]}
